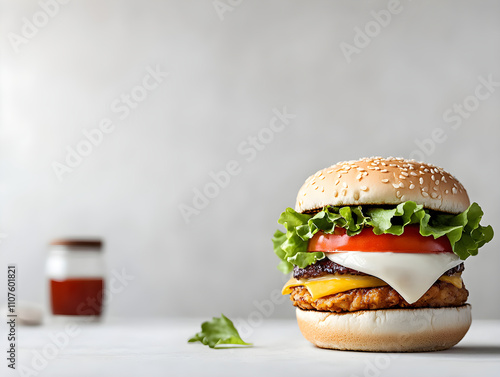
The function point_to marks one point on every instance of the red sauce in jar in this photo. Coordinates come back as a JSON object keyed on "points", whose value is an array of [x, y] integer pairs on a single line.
{"points": [[77, 296]]}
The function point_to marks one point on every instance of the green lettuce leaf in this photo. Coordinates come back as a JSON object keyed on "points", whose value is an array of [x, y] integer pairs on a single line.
{"points": [[218, 331], [464, 232]]}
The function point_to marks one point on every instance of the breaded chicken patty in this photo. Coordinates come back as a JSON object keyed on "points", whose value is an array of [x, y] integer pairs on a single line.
{"points": [[441, 294]]}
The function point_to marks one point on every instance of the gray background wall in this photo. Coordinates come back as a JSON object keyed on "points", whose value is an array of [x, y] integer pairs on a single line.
{"points": [[226, 74]]}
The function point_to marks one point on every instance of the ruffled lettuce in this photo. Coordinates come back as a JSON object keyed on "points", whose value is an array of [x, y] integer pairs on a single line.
{"points": [[218, 333], [465, 233]]}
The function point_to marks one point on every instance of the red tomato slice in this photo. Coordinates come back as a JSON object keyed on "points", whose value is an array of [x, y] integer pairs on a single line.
{"points": [[411, 241]]}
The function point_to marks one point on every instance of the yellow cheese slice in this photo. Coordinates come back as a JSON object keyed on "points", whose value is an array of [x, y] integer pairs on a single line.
{"points": [[331, 284], [455, 279]]}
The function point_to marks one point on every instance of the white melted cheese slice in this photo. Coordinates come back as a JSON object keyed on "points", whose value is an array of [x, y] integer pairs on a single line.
{"points": [[410, 274]]}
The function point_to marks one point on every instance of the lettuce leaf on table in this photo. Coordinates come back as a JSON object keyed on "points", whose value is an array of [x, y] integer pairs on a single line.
{"points": [[218, 332], [464, 232]]}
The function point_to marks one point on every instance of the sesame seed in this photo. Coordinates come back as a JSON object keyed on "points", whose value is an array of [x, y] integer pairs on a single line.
{"points": [[395, 185], [322, 189], [413, 173], [424, 189], [398, 193], [443, 179], [356, 195], [447, 191], [437, 182], [424, 194], [435, 188], [385, 180], [432, 177], [412, 186], [313, 183], [335, 193], [454, 190], [434, 195], [359, 177], [305, 193], [337, 182], [402, 177], [421, 180], [344, 185], [364, 188], [344, 192], [316, 187], [384, 171], [323, 177]]}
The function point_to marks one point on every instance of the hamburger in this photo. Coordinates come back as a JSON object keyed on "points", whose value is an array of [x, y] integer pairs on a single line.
{"points": [[375, 248]]}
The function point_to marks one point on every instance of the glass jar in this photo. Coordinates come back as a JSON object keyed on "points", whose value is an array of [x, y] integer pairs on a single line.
{"points": [[76, 274]]}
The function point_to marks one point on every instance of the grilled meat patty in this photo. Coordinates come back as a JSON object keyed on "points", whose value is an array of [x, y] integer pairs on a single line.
{"points": [[326, 266]]}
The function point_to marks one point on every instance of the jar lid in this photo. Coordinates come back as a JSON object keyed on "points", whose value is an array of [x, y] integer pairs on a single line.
{"points": [[77, 242]]}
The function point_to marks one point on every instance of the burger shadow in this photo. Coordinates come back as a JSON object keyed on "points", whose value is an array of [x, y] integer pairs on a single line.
{"points": [[475, 350], [458, 351]]}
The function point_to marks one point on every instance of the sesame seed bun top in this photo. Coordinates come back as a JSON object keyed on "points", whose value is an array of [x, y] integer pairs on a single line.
{"points": [[380, 181]]}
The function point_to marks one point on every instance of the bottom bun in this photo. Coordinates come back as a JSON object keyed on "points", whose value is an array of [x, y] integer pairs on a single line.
{"points": [[386, 330]]}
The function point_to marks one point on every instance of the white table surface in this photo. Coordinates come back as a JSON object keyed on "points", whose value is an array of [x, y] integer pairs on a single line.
{"points": [[160, 348]]}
